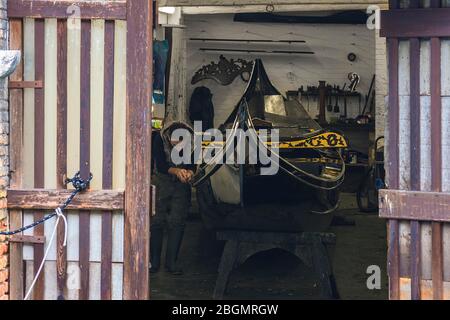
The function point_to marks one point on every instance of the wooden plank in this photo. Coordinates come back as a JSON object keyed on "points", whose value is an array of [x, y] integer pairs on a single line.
{"points": [[50, 130], [61, 167], [414, 205], [138, 145], [28, 274], [19, 84], [436, 114], [119, 150], [28, 154], [120, 95], [393, 260], [436, 179], [28, 249], [414, 49], [179, 3], [26, 239], [392, 166], [404, 94], [425, 154], [84, 229], [415, 260], [393, 119], [42, 199], [73, 244], [39, 145], [96, 102], [94, 281], [437, 260], [29, 105], [73, 95], [414, 56], [108, 119], [426, 289], [117, 281], [430, 22], [73, 149], [65, 9], [96, 152], [51, 290], [73, 280], [118, 239], [15, 149], [404, 233]]}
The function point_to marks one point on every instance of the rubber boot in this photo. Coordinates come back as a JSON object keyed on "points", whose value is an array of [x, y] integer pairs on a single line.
{"points": [[156, 242], [174, 238]]}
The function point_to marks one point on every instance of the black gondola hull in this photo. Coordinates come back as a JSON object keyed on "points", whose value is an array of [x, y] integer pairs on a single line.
{"points": [[270, 203]]}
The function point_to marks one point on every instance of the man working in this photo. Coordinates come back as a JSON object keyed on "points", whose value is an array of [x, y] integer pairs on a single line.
{"points": [[173, 195]]}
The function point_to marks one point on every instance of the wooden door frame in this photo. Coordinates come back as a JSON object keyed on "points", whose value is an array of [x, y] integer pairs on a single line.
{"points": [[136, 200], [138, 149], [413, 205]]}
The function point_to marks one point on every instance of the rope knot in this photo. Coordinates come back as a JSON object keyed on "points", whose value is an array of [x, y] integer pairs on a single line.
{"points": [[78, 183]]}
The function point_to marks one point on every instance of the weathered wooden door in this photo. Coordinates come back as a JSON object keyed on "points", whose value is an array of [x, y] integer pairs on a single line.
{"points": [[81, 100], [417, 202]]}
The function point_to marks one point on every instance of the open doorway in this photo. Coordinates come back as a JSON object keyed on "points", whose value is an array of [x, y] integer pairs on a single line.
{"points": [[333, 65]]}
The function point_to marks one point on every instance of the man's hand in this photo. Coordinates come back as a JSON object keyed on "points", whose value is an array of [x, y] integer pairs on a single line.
{"points": [[188, 174], [182, 174]]}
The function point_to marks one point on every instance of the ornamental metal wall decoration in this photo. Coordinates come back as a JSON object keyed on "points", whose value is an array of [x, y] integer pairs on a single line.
{"points": [[225, 71]]}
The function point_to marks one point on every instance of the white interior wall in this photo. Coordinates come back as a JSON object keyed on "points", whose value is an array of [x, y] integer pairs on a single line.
{"points": [[331, 44]]}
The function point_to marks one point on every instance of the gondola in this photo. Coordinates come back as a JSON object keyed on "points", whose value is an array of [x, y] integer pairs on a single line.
{"points": [[301, 196]]}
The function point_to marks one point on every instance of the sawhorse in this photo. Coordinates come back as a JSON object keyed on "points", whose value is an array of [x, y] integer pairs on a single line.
{"points": [[310, 247]]}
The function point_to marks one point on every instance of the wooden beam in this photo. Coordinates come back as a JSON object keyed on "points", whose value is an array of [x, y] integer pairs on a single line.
{"points": [[16, 155], [41, 199], [39, 148], [65, 9], [235, 3], [392, 165], [433, 22], [26, 239], [108, 147], [85, 149], [138, 147], [25, 84], [191, 10], [415, 249], [414, 205], [61, 153], [437, 248]]}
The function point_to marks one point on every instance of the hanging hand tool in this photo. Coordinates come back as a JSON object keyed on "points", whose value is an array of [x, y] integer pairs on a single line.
{"points": [[336, 106], [330, 103], [345, 100], [369, 94]]}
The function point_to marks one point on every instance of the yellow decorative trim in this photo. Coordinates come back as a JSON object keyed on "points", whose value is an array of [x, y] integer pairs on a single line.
{"points": [[323, 140]]}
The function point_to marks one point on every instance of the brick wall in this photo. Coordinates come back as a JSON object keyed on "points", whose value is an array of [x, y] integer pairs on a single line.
{"points": [[4, 158]]}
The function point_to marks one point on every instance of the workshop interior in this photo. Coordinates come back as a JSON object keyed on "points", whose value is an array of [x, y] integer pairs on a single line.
{"points": [[224, 150]]}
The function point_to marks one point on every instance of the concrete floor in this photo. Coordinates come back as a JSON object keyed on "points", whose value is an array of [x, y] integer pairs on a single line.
{"points": [[276, 274]]}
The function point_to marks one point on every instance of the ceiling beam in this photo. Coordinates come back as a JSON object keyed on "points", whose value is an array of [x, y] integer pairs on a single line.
{"points": [[194, 3], [188, 10]]}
